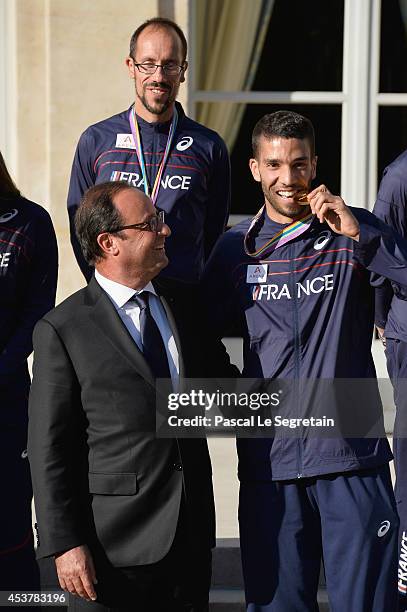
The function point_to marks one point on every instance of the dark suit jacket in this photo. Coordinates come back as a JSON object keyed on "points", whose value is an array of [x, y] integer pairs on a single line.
{"points": [[100, 475]]}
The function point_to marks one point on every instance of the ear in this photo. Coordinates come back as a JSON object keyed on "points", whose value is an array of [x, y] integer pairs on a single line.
{"points": [[314, 166], [130, 66], [108, 243], [254, 167], [183, 71]]}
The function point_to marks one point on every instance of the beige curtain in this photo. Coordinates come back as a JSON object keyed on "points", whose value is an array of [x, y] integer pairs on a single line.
{"points": [[229, 39]]}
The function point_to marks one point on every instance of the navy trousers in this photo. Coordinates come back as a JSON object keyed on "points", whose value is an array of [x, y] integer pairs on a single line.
{"points": [[349, 519], [18, 568], [396, 353]]}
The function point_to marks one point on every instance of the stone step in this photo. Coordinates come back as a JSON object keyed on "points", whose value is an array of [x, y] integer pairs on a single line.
{"points": [[227, 600], [232, 600], [227, 565], [227, 594]]}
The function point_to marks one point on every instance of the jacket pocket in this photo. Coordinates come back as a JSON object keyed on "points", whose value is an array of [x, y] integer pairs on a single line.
{"points": [[113, 484]]}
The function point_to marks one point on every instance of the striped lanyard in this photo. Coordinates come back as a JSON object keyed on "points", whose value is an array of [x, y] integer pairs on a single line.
{"points": [[282, 237], [139, 150]]}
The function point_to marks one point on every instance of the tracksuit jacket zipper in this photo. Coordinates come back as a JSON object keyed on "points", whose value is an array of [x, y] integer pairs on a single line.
{"points": [[297, 355]]}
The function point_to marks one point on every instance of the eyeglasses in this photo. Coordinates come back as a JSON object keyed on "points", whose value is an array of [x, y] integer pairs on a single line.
{"points": [[169, 69], [154, 224]]}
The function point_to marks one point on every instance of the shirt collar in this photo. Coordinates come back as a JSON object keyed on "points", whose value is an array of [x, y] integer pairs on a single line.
{"points": [[118, 293]]}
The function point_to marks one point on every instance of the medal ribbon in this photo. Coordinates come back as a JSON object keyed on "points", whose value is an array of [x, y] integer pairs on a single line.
{"points": [[139, 150], [282, 237]]}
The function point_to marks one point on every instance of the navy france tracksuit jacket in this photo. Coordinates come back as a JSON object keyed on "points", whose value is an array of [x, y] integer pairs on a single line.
{"points": [[311, 318], [391, 207], [391, 314], [195, 186], [28, 281]]}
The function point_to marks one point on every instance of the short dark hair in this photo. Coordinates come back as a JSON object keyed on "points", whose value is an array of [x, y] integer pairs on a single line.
{"points": [[159, 22], [285, 124], [97, 214]]}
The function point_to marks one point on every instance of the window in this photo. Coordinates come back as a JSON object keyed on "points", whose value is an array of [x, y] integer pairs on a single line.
{"points": [[342, 64], [390, 95]]}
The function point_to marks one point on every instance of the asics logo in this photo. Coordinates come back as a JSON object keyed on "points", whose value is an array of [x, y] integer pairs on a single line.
{"points": [[383, 529], [184, 143], [321, 241], [8, 215]]}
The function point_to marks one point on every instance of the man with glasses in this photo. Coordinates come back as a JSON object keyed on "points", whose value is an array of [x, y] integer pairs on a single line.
{"points": [[182, 165], [129, 517]]}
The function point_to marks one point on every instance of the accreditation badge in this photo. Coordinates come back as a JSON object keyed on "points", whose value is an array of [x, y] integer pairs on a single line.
{"points": [[125, 141], [256, 273]]}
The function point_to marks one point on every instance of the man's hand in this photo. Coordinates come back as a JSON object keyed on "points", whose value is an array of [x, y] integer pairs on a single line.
{"points": [[333, 210], [382, 337], [76, 572]]}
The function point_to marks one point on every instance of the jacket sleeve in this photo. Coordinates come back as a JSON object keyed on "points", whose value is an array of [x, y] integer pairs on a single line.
{"points": [[54, 444], [390, 207], [82, 178], [383, 298], [383, 252], [218, 197], [221, 316], [38, 299]]}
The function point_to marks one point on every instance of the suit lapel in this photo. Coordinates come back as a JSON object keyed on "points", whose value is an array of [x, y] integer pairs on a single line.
{"points": [[104, 315]]}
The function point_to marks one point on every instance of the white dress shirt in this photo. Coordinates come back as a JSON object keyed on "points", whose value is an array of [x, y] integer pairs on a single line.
{"points": [[129, 312]]}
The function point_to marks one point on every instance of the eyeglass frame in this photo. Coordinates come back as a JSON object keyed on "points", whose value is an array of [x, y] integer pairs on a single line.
{"points": [[162, 66], [158, 220]]}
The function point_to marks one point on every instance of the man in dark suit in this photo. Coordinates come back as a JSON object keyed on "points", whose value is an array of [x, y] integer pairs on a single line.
{"points": [[128, 517]]}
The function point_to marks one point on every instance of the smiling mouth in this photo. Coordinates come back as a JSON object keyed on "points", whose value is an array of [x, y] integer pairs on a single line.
{"points": [[158, 89], [158, 92], [300, 196]]}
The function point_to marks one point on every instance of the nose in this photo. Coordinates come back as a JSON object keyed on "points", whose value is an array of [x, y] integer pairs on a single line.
{"points": [[159, 69], [164, 230], [287, 175]]}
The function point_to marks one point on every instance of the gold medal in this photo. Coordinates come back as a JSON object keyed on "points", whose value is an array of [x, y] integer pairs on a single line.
{"points": [[301, 197]]}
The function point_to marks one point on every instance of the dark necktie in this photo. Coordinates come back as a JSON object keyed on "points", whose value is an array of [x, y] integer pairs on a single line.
{"points": [[151, 339]]}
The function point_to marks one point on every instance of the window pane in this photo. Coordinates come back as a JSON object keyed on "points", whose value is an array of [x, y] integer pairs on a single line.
{"points": [[247, 196], [393, 50], [392, 136], [303, 48]]}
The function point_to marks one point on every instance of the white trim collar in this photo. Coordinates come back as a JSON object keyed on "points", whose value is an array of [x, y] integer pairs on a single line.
{"points": [[118, 293]]}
